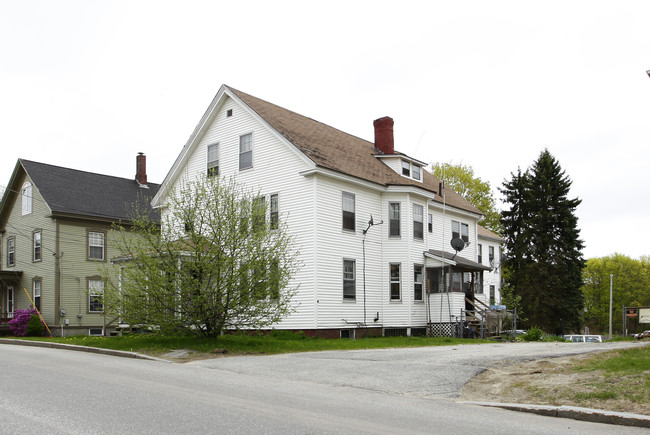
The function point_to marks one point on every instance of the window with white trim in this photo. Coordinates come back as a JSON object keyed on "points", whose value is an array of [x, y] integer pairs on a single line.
{"points": [[418, 224], [416, 172], [394, 222], [349, 279], [96, 245], [36, 238], [417, 282], [395, 282], [460, 231], [95, 295], [430, 223], [11, 251], [213, 160], [246, 151], [10, 301], [491, 255], [348, 211], [480, 253], [275, 212], [36, 293], [406, 168], [26, 197]]}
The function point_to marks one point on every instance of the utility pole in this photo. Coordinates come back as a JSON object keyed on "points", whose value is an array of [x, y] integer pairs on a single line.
{"points": [[611, 293]]}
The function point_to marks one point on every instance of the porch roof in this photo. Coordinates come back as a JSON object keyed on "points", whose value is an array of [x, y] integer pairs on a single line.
{"points": [[11, 275], [454, 260]]}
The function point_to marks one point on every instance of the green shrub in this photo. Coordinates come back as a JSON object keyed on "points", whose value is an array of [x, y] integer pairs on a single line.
{"points": [[553, 338], [533, 334], [34, 327]]}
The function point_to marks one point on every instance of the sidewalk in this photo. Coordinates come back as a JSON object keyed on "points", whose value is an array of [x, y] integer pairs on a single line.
{"points": [[120, 353]]}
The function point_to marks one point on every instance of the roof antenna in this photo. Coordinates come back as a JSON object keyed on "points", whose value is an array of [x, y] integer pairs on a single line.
{"points": [[458, 244], [371, 223]]}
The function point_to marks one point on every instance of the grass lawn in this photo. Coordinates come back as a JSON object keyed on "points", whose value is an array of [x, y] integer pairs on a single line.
{"points": [[624, 375], [240, 344]]}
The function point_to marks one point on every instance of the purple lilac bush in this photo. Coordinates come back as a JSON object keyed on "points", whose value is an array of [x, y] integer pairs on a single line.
{"points": [[18, 324]]}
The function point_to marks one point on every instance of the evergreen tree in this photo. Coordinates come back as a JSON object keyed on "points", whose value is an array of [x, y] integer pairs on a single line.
{"points": [[544, 248]]}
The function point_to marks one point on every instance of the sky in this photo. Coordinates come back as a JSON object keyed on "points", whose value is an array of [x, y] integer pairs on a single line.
{"points": [[489, 84]]}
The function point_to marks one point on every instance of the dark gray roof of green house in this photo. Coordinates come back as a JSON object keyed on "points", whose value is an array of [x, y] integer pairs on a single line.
{"points": [[80, 193]]}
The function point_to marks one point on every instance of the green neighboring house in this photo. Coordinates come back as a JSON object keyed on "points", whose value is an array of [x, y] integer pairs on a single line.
{"points": [[56, 235]]}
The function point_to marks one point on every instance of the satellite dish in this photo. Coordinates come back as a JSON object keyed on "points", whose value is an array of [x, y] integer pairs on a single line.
{"points": [[457, 243]]}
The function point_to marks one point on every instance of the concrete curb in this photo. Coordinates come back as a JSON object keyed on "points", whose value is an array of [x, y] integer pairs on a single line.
{"points": [[575, 413], [119, 353]]}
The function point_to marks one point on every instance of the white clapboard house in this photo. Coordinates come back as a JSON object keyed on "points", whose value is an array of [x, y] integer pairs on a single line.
{"points": [[372, 226]]}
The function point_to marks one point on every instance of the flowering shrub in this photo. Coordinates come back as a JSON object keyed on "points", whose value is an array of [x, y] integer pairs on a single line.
{"points": [[18, 324]]}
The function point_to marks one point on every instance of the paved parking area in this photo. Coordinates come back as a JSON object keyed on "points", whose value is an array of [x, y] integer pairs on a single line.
{"points": [[421, 372]]}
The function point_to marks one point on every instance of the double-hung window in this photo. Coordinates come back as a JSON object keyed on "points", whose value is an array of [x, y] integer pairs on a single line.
{"points": [[11, 251], [36, 236], [418, 224], [395, 283], [95, 295], [26, 197], [406, 168], [36, 293], [349, 279], [275, 212], [348, 211], [430, 223], [417, 282], [460, 231], [246, 151], [95, 245], [491, 255], [416, 172], [213, 160], [394, 218], [10, 301], [480, 253]]}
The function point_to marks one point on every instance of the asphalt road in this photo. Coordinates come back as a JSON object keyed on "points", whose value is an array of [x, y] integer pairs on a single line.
{"points": [[57, 391]]}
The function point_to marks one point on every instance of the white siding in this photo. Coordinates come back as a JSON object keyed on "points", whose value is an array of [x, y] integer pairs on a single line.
{"points": [[312, 207]]}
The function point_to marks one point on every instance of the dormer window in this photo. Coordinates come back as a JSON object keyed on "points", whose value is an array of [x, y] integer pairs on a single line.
{"points": [[411, 170], [406, 168], [416, 172]]}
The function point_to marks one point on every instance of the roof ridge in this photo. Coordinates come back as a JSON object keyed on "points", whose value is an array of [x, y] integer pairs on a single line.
{"points": [[81, 170], [237, 91]]}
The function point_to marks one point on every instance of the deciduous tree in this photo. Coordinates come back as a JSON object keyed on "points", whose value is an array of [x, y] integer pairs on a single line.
{"points": [[462, 179], [218, 261], [631, 288]]}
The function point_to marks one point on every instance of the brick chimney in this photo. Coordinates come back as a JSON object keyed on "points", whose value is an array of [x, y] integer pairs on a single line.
{"points": [[141, 169], [384, 141]]}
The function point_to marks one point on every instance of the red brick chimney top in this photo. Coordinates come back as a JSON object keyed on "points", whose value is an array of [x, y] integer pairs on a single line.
{"points": [[141, 169], [384, 140]]}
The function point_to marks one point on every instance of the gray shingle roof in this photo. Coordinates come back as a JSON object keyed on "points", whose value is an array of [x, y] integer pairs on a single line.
{"points": [[73, 192]]}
